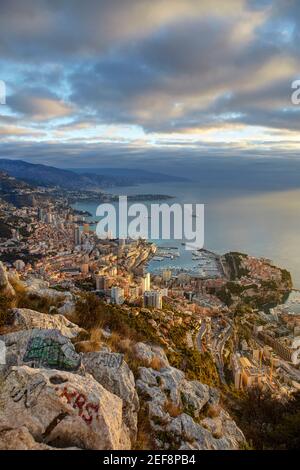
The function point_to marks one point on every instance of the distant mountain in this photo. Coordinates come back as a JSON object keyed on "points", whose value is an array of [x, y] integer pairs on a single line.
{"points": [[43, 175], [9, 183], [125, 176], [84, 178], [16, 192]]}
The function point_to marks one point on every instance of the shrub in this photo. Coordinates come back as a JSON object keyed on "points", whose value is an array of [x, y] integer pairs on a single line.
{"points": [[156, 363], [173, 409], [269, 422], [88, 310], [6, 304], [213, 411], [88, 346], [144, 439]]}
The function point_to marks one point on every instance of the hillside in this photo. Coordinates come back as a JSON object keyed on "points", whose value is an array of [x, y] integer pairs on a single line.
{"points": [[126, 176], [19, 193], [99, 384], [44, 175]]}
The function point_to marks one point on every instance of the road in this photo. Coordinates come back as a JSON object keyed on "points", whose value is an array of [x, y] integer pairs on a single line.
{"points": [[200, 335], [217, 351], [217, 346]]}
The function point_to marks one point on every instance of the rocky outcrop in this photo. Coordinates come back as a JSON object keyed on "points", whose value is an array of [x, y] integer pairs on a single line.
{"points": [[27, 319], [147, 353], [178, 409], [40, 348], [62, 409], [19, 439], [53, 396], [6, 288], [40, 289], [68, 310], [111, 371]]}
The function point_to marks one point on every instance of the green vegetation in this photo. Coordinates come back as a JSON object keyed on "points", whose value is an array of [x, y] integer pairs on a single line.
{"points": [[94, 313], [196, 365], [5, 230], [286, 278], [234, 263], [267, 422], [6, 304]]}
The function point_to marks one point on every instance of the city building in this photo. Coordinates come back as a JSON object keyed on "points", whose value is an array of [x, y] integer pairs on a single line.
{"points": [[86, 228], [49, 218], [245, 373], [145, 283], [167, 275], [84, 268], [101, 282], [153, 299], [41, 214], [117, 295], [77, 235]]}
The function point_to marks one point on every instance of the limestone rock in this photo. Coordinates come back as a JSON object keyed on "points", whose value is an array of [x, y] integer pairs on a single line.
{"points": [[18, 439], [146, 353], [175, 406], [111, 371], [68, 310], [37, 287], [28, 319], [62, 409]]}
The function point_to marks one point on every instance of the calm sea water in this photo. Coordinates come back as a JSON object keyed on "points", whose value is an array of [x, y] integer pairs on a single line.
{"points": [[258, 223]]}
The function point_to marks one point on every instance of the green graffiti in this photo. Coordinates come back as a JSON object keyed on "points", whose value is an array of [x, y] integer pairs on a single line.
{"points": [[48, 352]]}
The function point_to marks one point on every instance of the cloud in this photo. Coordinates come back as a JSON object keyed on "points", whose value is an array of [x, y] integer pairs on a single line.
{"points": [[38, 105], [155, 74]]}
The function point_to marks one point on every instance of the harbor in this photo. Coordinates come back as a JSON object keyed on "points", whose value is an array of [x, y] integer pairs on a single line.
{"points": [[202, 264]]}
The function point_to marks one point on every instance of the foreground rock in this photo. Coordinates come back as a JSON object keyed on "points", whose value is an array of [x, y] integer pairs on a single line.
{"points": [[147, 354], [18, 438], [178, 411], [40, 348], [27, 319], [38, 288], [111, 371], [68, 310], [62, 409], [6, 288]]}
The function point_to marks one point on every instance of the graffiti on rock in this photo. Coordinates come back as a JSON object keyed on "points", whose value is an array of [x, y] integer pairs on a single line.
{"points": [[109, 360], [29, 391], [86, 410], [50, 353]]}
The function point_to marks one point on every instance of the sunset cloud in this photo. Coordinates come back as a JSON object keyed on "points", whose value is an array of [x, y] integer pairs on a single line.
{"points": [[156, 72]]}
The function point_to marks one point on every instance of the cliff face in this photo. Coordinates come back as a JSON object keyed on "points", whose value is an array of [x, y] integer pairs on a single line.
{"points": [[54, 397]]}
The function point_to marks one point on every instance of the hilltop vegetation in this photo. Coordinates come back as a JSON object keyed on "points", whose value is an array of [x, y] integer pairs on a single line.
{"points": [[253, 283]]}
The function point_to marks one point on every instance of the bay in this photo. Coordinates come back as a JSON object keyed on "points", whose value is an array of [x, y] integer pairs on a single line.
{"points": [[260, 223]]}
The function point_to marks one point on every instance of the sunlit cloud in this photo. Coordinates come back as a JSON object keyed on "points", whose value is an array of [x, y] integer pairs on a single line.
{"points": [[139, 74]]}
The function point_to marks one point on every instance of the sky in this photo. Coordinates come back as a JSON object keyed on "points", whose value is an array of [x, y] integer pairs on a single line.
{"points": [[133, 81]]}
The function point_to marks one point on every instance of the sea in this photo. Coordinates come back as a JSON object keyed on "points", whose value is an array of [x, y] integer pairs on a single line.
{"points": [[260, 223]]}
